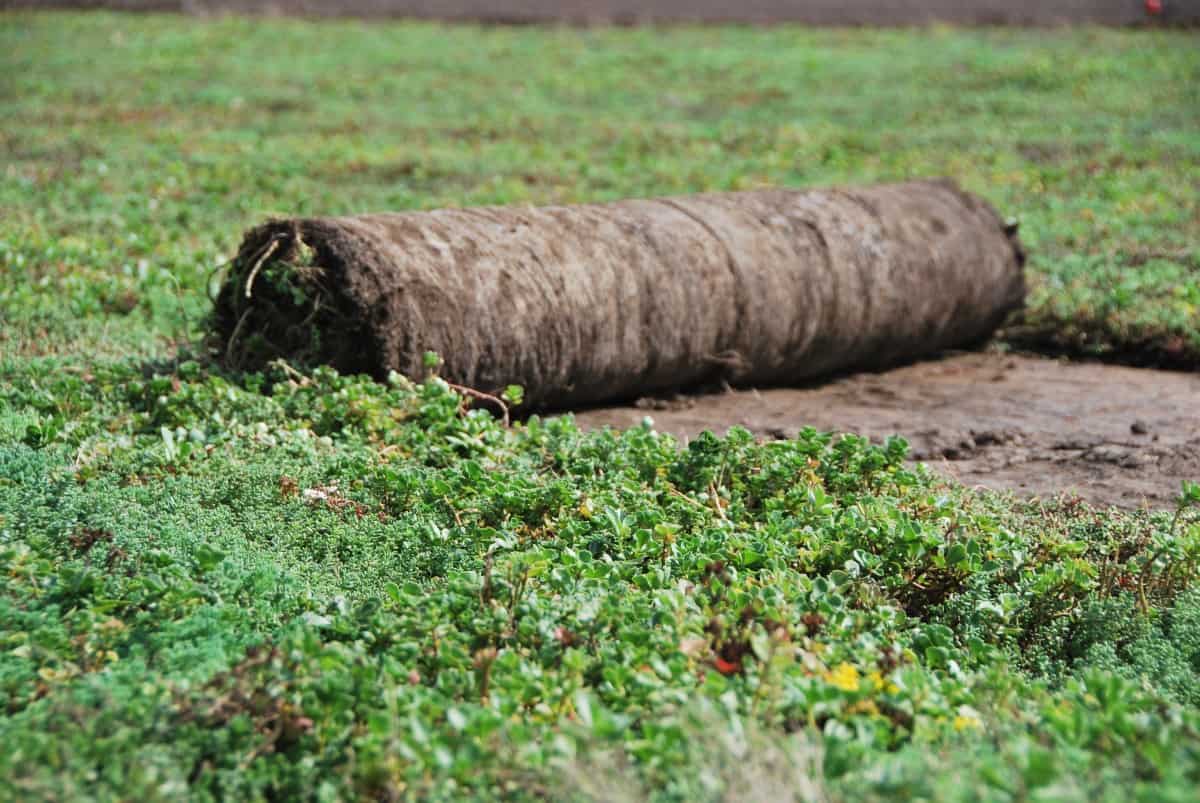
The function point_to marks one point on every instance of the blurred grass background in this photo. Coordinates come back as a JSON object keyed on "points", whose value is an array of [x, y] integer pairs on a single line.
{"points": [[137, 148]]}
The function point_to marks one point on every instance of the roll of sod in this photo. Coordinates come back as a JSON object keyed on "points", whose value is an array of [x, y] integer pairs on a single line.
{"points": [[581, 304]]}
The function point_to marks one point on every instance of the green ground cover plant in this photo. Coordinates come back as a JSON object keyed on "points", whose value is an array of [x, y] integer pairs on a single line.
{"points": [[343, 588], [286, 585]]}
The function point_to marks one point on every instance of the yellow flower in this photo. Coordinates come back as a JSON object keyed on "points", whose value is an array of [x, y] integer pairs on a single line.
{"points": [[964, 721], [879, 683], [844, 676]]}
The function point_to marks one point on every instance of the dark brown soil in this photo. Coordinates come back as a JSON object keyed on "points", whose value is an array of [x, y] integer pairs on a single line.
{"points": [[1039, 427], [629, 12]]}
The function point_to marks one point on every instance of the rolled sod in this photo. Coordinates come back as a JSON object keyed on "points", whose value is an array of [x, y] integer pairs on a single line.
{"points": [[596, 302]]}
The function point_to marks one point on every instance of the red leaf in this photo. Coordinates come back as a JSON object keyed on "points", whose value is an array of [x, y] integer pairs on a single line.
{"points": [[727, 668]]}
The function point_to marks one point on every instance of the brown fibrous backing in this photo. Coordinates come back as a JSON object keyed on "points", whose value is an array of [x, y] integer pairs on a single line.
{"points": [[580, 304]]}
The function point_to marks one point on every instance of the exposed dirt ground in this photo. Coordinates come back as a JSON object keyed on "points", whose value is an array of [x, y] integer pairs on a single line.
{"points": [[806, 12], [1112, 435]]}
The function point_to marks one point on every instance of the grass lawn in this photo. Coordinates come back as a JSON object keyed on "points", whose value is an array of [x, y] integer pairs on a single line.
{"points": [[283, 586]]}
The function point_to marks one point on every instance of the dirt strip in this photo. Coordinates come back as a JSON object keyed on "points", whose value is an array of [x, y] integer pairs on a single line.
{"points": [[1039, 427], [631, 12]]}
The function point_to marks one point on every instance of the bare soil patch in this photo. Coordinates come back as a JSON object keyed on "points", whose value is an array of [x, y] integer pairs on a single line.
{"points": [[1039, 427]]}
